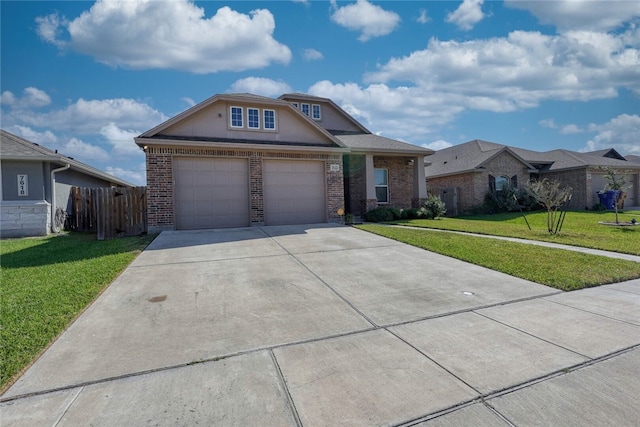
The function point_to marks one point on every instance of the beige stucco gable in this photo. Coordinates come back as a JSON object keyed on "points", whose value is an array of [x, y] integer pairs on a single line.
{"points": [[211, 120]]}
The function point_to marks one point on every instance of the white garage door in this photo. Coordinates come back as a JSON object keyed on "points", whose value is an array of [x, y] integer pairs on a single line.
{"points": [[211, 193], [294, 192]]}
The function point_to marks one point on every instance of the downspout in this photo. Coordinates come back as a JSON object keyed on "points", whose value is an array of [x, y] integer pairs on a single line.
{"points": [[54, 226]]}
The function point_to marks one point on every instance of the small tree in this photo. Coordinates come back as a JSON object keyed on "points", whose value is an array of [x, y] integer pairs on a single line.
{"points": [[552, 196], [434, 207], [616, 182]]}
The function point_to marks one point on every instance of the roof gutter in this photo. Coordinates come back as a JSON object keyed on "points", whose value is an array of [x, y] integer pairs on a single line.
{"points": [[54, 225]]}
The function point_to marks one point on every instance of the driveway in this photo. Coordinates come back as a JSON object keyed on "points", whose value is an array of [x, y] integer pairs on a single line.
{"points": [[330, 325]]}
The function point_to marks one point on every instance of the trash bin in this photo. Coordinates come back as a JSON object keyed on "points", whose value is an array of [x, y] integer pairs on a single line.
{"points": [[608, 198]]}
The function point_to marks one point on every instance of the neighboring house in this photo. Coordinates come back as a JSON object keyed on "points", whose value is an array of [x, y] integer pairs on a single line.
{"points": [[465, 173], [238, 160], [35, 181]]}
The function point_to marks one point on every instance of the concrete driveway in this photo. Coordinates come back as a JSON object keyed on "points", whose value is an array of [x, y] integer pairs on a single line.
{"points": [[329, 325]]}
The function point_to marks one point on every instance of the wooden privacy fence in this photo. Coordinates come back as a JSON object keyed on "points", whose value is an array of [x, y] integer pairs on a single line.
{"points": [[109, 212]]}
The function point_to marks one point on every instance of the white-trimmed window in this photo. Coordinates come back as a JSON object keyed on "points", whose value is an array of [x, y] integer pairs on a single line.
{"points": [[253, 118], [305, 108], [236, 117], [269, 121], [315, 112], [381, 181]]}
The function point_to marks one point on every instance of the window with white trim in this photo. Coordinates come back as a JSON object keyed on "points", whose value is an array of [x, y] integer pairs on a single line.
{"points": [[381, 182], [304, 108], [269, 121], [236, 117], [315, 112], [253, 118]]}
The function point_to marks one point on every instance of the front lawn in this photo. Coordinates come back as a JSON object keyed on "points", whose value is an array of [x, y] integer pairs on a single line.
{"points": [[46, 283], [558, 268], [580, 228]]}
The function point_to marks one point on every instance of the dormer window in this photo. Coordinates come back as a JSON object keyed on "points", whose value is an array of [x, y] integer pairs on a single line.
{"points": [[253, 118], [236, 117], [269, 121], [305, 108], [315, 112]]}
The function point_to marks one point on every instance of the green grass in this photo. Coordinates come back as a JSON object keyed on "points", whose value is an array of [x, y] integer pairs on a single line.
{"points": [[561, 269], [46, 282], [580, 228]]}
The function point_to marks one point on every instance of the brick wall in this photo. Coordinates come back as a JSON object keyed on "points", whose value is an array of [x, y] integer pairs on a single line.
{"points": [[465, 184], [400, 179], [161, 215], [473, 186], [579, 181]]}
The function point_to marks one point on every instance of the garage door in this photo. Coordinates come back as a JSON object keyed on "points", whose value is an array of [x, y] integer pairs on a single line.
{"points": [[211, 193], [599, 182], [294, 192]]}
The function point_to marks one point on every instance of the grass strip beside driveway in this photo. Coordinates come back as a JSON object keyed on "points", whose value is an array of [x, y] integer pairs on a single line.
{"points": [[558, 268], [46, 283], [580, 228]]}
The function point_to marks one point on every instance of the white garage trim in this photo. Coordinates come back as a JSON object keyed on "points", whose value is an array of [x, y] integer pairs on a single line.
{"points": [[211, 192], [295, 192]]}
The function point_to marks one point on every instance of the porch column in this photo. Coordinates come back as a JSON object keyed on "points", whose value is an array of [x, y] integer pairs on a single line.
{"points": [[370, 201], [419, 183]]}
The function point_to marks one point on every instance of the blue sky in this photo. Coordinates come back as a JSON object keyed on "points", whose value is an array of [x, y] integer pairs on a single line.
{"points": [[86, 77]]}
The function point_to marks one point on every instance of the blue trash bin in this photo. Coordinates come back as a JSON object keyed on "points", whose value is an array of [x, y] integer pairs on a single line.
{"points": [[608, 198]]}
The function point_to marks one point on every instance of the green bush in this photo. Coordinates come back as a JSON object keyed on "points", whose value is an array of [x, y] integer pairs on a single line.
{"points": [[599, 207], [382, 214], [413, 213], [434, 208]]}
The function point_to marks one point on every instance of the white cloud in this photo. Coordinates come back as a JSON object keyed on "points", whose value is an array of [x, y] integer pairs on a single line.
{"points": [[406, 113], [440, 144], [84, 116], [31, 98], [423, 18], [137, 176], [370, 20], [519, 71], [621, 132], [312, 55], [188, 101], [121, 140], [580, 14], [84, 152], [570, 129], [45, 138], [548, 123], [175, 34], [468, 14], [260, 86]]}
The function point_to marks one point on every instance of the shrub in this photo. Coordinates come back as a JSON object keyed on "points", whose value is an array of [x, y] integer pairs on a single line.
{"points": [[599, 207], [509, 199], [413, 213], [434, 207], [382, 214]]}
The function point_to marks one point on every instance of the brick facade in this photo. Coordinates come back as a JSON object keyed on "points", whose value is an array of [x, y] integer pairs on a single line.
{"points": [[579, 181], [400, 175], [160, 180], [473, 186]]}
